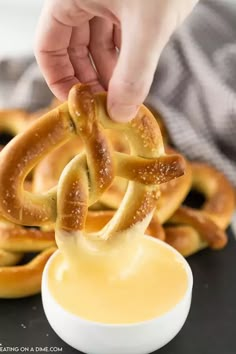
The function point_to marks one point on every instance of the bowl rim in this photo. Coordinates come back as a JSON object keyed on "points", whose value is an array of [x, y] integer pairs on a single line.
{"points": [[187, 294]]}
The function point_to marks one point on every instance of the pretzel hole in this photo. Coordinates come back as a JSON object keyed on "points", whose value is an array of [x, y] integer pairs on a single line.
{"points": [[5, 137], [195, 199], [27, 258]]}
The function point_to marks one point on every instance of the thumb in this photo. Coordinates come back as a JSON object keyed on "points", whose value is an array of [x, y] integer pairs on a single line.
{"points": [[142, 43]]}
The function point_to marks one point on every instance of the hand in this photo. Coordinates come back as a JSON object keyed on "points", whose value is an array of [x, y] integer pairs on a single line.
{"points": [[123, 39]]}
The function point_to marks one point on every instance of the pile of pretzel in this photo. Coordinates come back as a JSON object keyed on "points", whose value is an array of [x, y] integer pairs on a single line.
{"points": [[41, 167]]}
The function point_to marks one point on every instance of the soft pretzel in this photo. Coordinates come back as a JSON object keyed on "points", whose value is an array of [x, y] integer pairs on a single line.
{"points": [[193, 230], [47, 172], [14, 238], [160, 121], [218, 192], [173, 193], [9, 258], [185, 239], [91, 172], [198, 232], [187, 229], [13, 121], [204, 227], [20, 280], [23, 280]]}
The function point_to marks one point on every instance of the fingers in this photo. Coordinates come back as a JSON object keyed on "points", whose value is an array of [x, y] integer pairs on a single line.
{"points": [[102, 48], [64, 36], [142, 42], [79, 57], [53, 38], [117, 37], [62, 52]]}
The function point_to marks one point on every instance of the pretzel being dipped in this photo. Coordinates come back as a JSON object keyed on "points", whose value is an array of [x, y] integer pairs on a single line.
{"points": [[189, 230], [91, 172], [96, 220], [47, 172]]}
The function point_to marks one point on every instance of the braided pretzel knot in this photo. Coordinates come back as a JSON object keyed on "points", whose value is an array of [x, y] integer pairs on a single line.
{"points": [[89, 173]]}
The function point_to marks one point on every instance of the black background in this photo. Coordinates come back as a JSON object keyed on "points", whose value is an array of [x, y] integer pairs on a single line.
{"points": [[210, 327]]}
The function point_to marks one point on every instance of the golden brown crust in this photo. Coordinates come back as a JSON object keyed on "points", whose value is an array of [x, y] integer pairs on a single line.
{"points": [[184, 239], [9, 258], [218, 191], [13, 121], [23, 280], [173, 194], [14, 238], [197, 229], [14, 242], [209, 232], [173, 191], [84, 180], [19, 157], [160, 121]]}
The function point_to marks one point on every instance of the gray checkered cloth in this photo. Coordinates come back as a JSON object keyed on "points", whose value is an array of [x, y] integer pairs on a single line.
{"points": [[194, 87]]}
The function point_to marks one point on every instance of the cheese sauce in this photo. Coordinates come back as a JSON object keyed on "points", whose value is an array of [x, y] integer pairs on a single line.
{"points": [[128, 279]]}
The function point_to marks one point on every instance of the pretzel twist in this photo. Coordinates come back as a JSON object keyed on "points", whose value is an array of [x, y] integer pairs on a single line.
{"points": [[91, 172]]}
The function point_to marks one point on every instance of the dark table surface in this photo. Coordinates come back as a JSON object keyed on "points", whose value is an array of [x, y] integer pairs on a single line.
{"points": [[210, 327]]}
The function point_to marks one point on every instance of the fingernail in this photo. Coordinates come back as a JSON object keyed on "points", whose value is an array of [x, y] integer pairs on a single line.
{"points": [[123, 113]]}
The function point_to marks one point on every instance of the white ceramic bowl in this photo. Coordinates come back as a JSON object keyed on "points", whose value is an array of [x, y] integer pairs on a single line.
{"points": [[99, 338]]}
